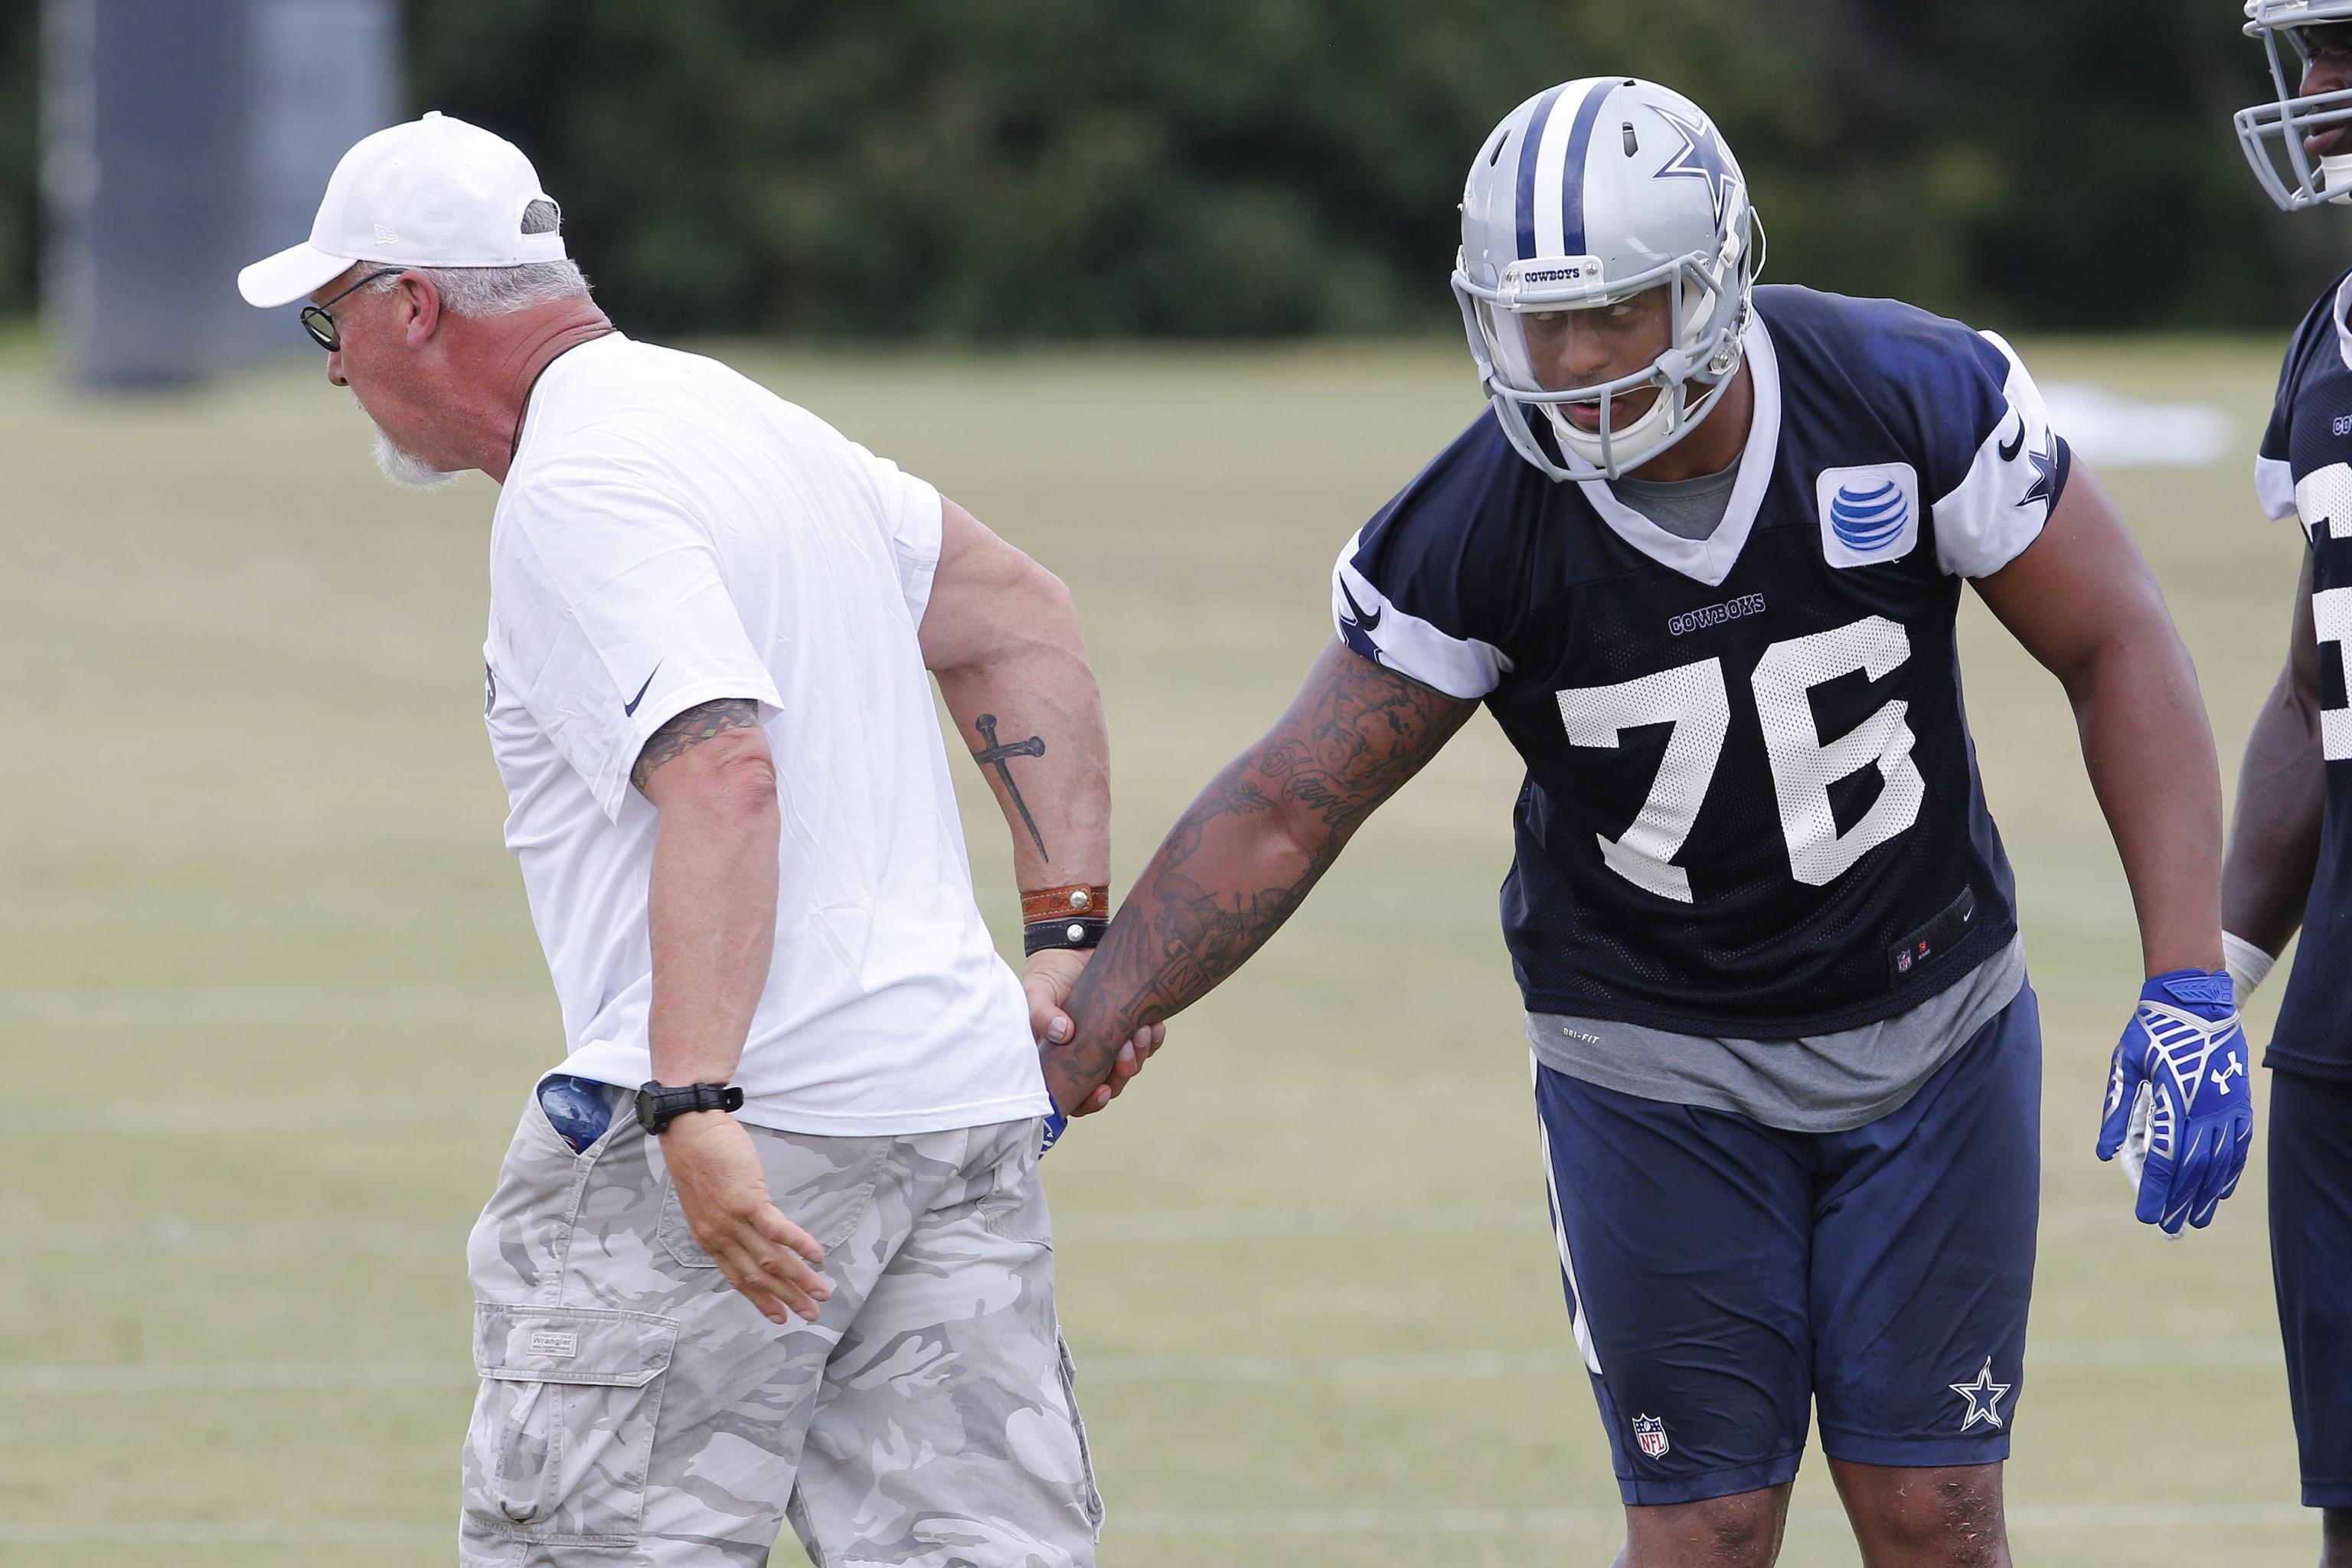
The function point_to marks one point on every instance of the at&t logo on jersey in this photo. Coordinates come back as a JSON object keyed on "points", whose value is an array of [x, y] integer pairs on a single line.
{"points": [[1868, 514], [1650, 1432]]}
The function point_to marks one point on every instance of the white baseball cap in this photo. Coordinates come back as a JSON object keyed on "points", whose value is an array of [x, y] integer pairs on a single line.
{"points": [[434, 192]]}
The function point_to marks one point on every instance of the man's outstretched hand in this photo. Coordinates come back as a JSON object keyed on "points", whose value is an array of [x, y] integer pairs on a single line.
{"points": [[1048, 978]]}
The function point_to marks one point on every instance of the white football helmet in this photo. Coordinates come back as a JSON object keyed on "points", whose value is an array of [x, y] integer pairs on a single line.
{"points": [[2289, 118], [1587, 194]]}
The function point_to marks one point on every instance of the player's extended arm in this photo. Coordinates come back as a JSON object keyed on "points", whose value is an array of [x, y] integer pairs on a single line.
{"points": [[711, 921], [1245, 852], [2275, 839], [2082, 601]]}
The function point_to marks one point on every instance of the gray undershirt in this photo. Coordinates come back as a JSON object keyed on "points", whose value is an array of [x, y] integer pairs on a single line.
{"points": [[1814, 1083], [1687, 509]]}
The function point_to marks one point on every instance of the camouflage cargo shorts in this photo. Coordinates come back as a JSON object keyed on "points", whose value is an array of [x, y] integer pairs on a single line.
{"points": [[636, 1412]]}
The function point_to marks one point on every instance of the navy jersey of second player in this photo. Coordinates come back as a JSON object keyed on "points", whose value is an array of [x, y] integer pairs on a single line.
{"points": [[1752, 806], [2304, 468]]}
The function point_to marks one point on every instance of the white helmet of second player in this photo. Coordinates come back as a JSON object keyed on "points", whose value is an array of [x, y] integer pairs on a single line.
{"points": [[2286, 119], [1588, 194]]}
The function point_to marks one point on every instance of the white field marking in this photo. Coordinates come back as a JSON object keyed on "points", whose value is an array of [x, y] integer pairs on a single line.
{"points": [[2101, 1516], [1098, 1227], [233, 1533], [1228, 1371], [1091, 1227], [215, 907], [341, 1117], [1538, 1521], [238, 1001]]}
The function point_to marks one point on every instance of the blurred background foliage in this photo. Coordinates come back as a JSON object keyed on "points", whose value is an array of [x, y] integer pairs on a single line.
{"points": [[986, 170], [19, 155]]}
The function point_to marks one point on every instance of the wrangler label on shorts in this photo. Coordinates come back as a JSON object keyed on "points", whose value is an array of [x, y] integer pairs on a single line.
{"points": [[554, 1342]]}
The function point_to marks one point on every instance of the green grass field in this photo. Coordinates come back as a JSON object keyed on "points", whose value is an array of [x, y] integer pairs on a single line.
{"points": [[271, 1000]]}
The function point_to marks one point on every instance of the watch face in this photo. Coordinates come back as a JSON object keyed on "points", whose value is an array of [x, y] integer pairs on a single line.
{"points": [[648, 1111]]}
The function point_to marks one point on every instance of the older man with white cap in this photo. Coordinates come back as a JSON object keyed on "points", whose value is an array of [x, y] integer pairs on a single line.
{"points": [[796, 1067]]}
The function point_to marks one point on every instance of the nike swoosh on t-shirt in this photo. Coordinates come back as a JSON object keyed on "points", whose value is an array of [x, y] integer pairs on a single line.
{"points": [[630, 707]]}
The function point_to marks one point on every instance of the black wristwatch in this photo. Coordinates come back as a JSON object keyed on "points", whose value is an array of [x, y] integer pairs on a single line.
{"points": [[658, 1106]]}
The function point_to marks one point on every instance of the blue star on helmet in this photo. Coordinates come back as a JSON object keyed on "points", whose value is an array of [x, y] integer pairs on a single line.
{"points": [[1700, 157], [2045, 473], [1983, 1397]]}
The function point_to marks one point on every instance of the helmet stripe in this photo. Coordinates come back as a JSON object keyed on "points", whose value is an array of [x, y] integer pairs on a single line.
{"points": [[1571, 186], [1530, 141]]}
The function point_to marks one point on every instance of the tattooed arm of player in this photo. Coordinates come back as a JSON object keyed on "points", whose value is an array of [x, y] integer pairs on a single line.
{"points": [[1242, 856]]}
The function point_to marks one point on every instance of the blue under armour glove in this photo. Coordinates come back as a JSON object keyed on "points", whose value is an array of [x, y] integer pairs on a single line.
{"points": [[2182, 1062], [1055, 1125]]}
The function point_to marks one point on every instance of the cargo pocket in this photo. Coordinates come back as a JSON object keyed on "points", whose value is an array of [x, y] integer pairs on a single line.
{"points": [[1015, 1205], [1092, 1500], [563, 1428]]}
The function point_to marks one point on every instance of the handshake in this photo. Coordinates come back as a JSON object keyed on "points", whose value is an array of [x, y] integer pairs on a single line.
{"points": [[1048, 978]]}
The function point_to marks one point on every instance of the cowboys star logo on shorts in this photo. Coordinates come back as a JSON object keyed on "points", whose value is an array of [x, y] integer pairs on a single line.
{"points": [[1651, 1433], [1983, 1397]]}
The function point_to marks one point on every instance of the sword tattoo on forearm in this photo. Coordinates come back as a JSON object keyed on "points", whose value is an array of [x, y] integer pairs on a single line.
{"points": [[992, 755]]}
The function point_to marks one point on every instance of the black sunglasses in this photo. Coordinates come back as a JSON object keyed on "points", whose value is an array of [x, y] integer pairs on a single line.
{"points": [[320, 322]]}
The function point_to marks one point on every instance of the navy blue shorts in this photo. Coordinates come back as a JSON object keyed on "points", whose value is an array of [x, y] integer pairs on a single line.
{"points": [[2311, 1261], [1723, 1276]]}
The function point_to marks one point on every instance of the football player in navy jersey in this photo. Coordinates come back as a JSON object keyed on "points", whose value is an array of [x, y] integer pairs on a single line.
{"points": [[2289, 860], [1701, 559]]}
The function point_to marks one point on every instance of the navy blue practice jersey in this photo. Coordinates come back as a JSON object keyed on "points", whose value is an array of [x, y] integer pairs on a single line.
{"points": [[2304, 469], [1752, 806]]}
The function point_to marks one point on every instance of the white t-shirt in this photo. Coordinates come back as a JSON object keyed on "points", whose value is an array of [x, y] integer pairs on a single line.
{"points": [[671, 533]]}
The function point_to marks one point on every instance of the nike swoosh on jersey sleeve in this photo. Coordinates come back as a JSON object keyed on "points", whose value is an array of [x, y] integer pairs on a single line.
{"points": [[2012, 482], [1369, 622]]}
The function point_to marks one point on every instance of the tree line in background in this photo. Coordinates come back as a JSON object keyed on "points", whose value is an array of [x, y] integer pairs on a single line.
{"points": [[1032, 169], [20, 25]]}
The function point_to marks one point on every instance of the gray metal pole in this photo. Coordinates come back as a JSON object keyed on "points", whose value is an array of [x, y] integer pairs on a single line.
{"points": [[183, 139]]}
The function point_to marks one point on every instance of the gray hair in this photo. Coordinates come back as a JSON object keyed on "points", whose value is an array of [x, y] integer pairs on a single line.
{"points": [[498, 290]]}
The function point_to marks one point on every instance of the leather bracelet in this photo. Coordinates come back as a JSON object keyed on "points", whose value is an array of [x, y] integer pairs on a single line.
{"points": [[1038, 935], [1077, 901]]}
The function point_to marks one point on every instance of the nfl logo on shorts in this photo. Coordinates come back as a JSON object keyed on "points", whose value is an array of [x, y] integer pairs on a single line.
{"points": [[1651, 1433]]}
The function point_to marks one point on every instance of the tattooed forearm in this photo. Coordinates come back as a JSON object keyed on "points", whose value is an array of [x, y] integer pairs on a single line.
{"points": [[689, 730], [1243, 857], [992, 755]]}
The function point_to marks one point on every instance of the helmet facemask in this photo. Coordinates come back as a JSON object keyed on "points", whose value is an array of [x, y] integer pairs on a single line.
{"points": [[2272, 134], [1517, 329]]}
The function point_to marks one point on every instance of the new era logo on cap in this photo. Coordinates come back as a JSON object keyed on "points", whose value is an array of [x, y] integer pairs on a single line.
{"points": [[434, 192], [1869, 514]]}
